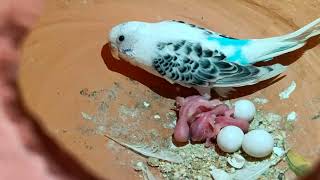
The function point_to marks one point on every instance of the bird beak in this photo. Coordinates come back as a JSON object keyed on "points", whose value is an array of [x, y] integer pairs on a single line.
{"points": [[114, 51]]}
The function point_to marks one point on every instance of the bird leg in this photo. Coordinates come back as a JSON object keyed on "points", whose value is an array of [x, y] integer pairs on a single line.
{"points": [[204, 91]]}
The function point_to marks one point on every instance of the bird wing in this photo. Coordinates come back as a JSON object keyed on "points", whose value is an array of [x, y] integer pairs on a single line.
{"points": [[191, 64]]}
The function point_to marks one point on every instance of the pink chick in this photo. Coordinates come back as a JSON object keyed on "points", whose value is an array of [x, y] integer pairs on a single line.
{"points": [[189, 108], [202, 120]]}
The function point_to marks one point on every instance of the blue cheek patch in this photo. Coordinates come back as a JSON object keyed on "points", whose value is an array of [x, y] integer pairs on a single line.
{"points": [[237, 43]]}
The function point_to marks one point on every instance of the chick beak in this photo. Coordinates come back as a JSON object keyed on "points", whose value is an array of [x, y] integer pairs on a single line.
{"points": [[114, 51]]}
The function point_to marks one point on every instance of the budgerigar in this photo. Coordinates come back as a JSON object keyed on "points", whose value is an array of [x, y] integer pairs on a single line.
{"points": [[193, 56]]}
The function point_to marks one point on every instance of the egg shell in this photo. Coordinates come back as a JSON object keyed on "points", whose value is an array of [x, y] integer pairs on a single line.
{"points": [[230, 139], [244, 109], [258, 143], [236, 161]]}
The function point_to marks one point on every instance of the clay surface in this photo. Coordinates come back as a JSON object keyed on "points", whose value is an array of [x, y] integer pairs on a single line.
{"points": [[66, 54]]}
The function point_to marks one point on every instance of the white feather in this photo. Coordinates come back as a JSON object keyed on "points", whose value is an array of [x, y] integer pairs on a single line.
{"points": [[268, 48]]}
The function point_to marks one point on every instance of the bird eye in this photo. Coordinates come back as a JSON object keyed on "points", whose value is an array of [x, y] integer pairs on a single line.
{"points": [[121, 38]]}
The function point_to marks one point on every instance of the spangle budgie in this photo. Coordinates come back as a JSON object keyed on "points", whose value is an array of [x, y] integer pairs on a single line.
{"points": [[193, 56]]}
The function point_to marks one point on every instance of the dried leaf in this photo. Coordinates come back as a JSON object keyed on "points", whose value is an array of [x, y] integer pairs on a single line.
{"points": [[149, 151], [297, 163]]}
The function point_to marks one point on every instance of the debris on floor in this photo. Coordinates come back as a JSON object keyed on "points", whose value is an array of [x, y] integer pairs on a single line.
{"points": [[298, 164], [125, 125], [292, 116], [287, 92]]}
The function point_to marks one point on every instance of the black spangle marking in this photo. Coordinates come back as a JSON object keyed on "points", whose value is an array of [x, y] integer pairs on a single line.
{"points": [[269, 68], [245, 72], [223, 65], [188, 77], [183, 42], [196, 65], [191, 64], [255, 71], [161, 61], [156, 66], [182, 78], [207, 53], [225, 74], [161, 46], [201, 28], [165, 64], [233, 69], [188, 49], [213, 70], [192, 25], [155, 62], [198, 49], [172, 75], [167, 57], [186, 60], [225, 36], [181, 22], [182, 69], [198, 82], [205, 75], [160, 71], [176, 47], [209, 32], [179, 76], [205, 63], [158, 61], [220, 57], [175, 76]]}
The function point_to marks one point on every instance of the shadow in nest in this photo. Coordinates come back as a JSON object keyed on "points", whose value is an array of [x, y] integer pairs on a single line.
{"points": [[168, 90]]}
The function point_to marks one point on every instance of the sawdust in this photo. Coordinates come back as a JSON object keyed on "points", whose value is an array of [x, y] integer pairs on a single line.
{"points": [[129, 125], [199, 159]]}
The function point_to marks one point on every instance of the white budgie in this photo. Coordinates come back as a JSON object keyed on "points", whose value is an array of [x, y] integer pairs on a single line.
{"points": [[193, 56]]}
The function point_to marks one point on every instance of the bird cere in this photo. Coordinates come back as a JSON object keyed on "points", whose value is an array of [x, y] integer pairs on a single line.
{"points": [[196, 57]]}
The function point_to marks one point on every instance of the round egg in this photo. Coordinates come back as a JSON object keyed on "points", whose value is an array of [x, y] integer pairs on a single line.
{"points": [[244, 109], [230, 139], [258, 143]]}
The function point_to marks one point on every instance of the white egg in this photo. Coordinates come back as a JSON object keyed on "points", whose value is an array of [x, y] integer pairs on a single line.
{"points": [[258, 143], [244, 109], [230, 139]]}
